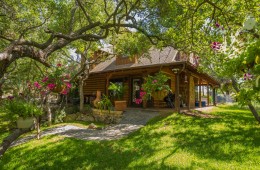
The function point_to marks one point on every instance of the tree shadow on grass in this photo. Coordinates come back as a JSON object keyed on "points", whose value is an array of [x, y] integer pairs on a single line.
{"points": [[229, 137]]}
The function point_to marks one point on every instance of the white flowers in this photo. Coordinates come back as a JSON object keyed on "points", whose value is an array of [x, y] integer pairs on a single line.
{"points": [[249, 24]]}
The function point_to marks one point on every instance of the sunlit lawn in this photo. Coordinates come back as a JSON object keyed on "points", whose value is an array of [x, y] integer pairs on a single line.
{"points": [[5, 126], [230, 140]]}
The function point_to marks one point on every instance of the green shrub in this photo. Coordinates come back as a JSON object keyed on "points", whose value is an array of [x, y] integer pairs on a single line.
{"points": [[59, 116], [20, 108], [105, 103]]}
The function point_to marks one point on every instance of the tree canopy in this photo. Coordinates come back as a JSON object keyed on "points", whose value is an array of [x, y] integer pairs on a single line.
{"points": [[224, 33]]}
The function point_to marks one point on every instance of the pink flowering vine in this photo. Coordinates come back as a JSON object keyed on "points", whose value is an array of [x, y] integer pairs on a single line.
{"points": [[51, 86], [37, 85], [248, 76], [45, 79], [155, 81], [68, 85], [64, 91], [215, 45], [10, 97], [138, 101]]}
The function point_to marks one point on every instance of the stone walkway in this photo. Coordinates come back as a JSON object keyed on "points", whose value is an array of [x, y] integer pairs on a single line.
{"points": [[132, 120]]}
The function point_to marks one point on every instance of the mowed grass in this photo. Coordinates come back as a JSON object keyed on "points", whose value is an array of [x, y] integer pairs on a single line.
{"points": [[230, 139], [5, 126]]}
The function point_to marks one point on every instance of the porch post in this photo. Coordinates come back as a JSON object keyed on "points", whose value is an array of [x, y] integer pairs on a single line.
{"points": [[214, 96], [188, 90], [199, 92], [208, 94], [130, 90], [177, 98], [107, 82]]}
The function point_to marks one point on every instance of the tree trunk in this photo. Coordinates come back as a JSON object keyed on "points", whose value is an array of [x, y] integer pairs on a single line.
{"points": [[49, 114], [84, 64], [250, 106], [38, 127], [9, 139], [81, 95], [253, 110]]}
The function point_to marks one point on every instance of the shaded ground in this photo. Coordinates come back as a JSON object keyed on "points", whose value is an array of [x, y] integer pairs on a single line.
{"points": [[132, 120], [200, 112], [229, 141]]}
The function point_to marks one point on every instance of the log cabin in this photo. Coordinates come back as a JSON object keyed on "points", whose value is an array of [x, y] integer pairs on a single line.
{"points": [[190, 87]]}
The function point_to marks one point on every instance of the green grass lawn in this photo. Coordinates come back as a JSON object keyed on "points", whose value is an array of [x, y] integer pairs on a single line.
{"points": [[230, 140]]}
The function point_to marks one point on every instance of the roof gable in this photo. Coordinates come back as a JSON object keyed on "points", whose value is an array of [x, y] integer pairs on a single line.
{"points": [[153, 57]]}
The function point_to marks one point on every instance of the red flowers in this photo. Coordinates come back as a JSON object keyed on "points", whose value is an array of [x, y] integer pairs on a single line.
{"points": [[64, 91], [140, 100], [45, 79], [68, 85], [155, 81], [37, 85], [10, 97], [248, 76], [51, 86], [215, 45]]}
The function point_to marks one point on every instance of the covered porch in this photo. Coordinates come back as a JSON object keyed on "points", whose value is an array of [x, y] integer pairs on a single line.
{"points": [[190, 88]]}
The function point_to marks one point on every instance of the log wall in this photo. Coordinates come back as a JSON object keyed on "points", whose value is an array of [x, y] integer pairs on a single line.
{"points": [[94, 83]]}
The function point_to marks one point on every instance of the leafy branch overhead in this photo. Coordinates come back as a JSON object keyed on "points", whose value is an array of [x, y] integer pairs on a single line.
{"points": [[37, 30]]}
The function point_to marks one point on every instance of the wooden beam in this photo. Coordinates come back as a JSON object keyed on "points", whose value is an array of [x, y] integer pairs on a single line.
{"points": [[177, 93], [130, 90], [214, 97], [208, 94], [109, 75], [188, 101]]}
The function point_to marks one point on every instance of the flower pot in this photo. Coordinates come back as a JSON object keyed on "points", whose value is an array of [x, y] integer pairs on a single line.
{"points": [[58, 89], [120, 105], [98, 99], [25, 123]]}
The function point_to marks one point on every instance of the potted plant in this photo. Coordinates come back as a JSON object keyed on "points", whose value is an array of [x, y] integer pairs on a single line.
{"points": [[155, 86], [22, 112], [118, 92]]}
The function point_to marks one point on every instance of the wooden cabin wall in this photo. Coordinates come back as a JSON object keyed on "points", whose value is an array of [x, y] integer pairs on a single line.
{"points": [[192, 92], [126, 91], [94, 83]]}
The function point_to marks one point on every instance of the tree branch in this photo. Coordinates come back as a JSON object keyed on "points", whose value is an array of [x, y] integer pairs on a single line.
{"points": [[84, 11]]}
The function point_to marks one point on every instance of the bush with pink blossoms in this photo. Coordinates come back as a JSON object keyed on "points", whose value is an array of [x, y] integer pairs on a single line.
{"points": [[54, 81]]}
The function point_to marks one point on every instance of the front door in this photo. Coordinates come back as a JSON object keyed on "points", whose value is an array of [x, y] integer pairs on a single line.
{"points": [[136, 87]]}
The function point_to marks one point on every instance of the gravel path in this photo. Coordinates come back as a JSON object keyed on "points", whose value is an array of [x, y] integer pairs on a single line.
{"points": [[132, 120]]}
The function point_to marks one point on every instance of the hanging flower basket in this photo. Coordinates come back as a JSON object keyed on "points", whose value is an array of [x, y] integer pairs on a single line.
{"points": [[58, 89]]}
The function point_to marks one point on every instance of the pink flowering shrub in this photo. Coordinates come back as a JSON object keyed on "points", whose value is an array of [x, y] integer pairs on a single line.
{"points": [[55, 81], [142, 95], [215, 45]]}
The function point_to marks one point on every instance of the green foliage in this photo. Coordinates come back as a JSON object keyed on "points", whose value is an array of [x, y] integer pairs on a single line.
{"points": [[131, 44], [117, 90], [60, 114], [105, 103], [20, 108]]}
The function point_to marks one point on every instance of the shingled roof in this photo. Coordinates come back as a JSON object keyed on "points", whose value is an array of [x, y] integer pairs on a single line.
{"points": [[153, 57]]}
